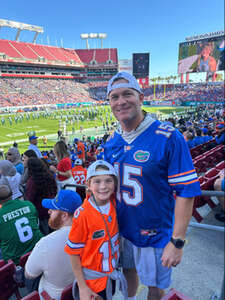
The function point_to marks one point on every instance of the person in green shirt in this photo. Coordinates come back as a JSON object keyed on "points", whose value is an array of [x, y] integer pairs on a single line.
{"points": [[19, 231]]}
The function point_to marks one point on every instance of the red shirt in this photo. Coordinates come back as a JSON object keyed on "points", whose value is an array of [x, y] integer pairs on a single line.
{"points": [[63, 166]]}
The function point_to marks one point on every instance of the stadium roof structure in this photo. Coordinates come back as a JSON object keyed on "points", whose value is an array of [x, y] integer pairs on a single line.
{"points": [[22, 26]]}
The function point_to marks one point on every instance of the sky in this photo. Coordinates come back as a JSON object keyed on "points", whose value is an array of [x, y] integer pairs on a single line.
{"points": [[131, 26]]}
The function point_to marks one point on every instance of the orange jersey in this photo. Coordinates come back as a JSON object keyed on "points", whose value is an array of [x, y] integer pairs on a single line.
{"points": [[81, 147], [89, 239], [79, 174]]}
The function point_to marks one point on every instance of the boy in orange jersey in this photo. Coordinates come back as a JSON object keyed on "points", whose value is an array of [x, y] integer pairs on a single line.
{"points": [[79, 172], [93, 242]]}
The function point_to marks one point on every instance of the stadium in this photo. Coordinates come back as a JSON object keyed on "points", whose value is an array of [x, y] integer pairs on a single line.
{"points": [[51, 94]]}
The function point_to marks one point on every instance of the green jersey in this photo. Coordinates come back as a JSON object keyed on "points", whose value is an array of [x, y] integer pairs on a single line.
{"points": [[19, 230]]}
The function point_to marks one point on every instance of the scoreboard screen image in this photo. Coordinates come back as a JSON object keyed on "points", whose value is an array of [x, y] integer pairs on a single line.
{"points": [[141, 65], [205, 55]]}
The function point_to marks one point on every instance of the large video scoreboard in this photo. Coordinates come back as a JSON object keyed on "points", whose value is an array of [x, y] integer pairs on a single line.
{"points": [[202, 55], [141, 65]]}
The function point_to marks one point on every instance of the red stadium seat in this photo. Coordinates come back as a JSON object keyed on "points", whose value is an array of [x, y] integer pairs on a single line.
{"points": [[221, 165], [23, 259], [32, 296], [208, 184], [201, 164], [175, 295], [67, 293], [211, 173], [8, 286], [46, 296]]}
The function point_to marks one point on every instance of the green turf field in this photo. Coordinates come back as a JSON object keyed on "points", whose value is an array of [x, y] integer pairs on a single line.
{"points": [[49, 125]]}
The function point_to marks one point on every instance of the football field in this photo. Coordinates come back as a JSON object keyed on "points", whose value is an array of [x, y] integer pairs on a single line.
{"points": [[17, 127]]}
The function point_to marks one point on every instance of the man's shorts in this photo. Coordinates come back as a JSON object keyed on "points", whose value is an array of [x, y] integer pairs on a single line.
{"points": [[147, 262]]}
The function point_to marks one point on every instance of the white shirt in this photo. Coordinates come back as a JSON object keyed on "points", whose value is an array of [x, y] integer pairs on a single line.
{"points": [[35, 149], [49, 259], [14, 183]]}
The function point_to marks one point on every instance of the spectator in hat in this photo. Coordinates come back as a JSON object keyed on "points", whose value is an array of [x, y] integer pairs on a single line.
{"points": [[48, 258], [14, 156], [33, 145], [93, 243], [63, 171], [206, 134], [220, 137], [153, 161], [198, 139], [10, 177]]}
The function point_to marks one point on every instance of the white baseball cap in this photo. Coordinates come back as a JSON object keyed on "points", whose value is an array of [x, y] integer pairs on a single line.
{"points": [[132, 82], [91, 171]]}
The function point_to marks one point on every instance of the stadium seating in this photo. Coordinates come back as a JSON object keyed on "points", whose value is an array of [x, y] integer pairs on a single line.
{"points": [[211, 173], [206, 184], [23, 259], [46, 296], [220, 165], [8, 286], [101, 56], [175, 295], [24, 50], [32, 296], [67, 293], [7, 48]]}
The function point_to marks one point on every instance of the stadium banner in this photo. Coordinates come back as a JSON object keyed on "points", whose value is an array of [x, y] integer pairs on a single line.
{"points": [[141, 65], [204, 55], [144, 82], [125, 65]]}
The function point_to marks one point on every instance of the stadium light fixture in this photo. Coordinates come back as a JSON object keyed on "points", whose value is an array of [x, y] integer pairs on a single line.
{"points": [[22, 26], [86, 36]]}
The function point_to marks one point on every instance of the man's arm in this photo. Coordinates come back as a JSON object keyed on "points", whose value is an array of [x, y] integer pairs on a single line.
{"points": [[36, 263], [183, 212], [84, 291]]}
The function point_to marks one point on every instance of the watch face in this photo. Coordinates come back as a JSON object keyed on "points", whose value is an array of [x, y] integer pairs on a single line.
{"points": [[179, 244]]}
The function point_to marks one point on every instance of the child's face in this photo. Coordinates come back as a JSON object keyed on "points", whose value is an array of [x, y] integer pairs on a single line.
{"points": [[102, 187]]}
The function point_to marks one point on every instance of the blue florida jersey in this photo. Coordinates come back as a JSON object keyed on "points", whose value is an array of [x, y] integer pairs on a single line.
{"points": [[150, 168]]}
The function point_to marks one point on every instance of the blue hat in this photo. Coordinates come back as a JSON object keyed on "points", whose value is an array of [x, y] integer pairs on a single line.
{"points": [[204, 130], [75, 140], [32, 137], [66, 200], [220, 126], [132, 82]]}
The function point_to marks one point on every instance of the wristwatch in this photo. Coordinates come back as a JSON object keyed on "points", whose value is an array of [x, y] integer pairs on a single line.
{"points": [[178, 243]]}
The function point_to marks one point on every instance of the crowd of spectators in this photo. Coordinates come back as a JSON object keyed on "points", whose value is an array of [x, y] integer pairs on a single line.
{"points": [[21, 92], [187, 92], [28, 91]]}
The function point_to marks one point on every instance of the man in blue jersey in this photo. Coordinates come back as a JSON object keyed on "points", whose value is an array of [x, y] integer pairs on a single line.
{"points": [[153, 162]]}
